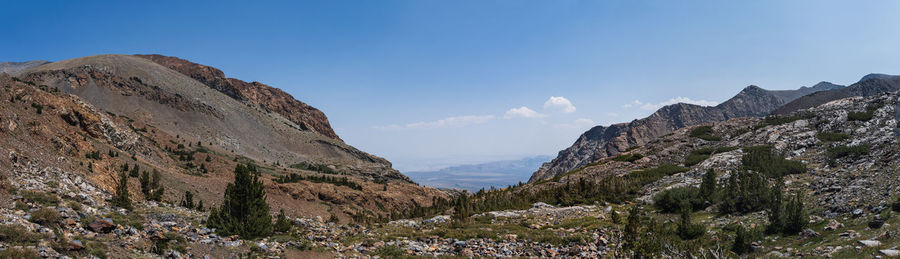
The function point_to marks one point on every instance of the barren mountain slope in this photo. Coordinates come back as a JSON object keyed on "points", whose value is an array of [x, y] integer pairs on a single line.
{"points": [[152, 94], [274, 99], [601, 141]]}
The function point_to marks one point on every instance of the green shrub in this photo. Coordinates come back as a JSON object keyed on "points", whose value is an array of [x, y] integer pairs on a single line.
{"points": [[389, 251], [866, 115], [745, 192], [859, 116], [687, 230], [643, 177], [678, 199], [778, 120], [19, 235], [628, 158], [693, 159], [20, 253], [847, 151], [832, 136], [742, 241], [704, 133], [46, 217], [335, 180], [699, 155], [282, 224], [763, 159], [43, 198]]}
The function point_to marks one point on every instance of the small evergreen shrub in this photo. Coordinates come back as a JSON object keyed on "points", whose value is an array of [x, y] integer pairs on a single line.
{"points": [[832, 136], [46, 217], [687, 230], [779, 120], [838, 152], [628, 158], [704, 133], [678, 199], [763, 159]]}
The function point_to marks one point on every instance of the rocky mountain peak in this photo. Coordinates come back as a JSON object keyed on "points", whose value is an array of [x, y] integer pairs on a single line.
{"points": [[875, 76]]}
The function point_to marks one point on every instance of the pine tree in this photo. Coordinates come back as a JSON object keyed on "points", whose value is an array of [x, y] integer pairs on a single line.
{"points": [[145, 184], [244, 210], [687, 230], [156, 190], [135, 170], [614, 216], [741, 241], [631, 228], [796, 219], [708, 186], [121, 199], [776, 209], [188, 201], [200, 205], [282, 224]]}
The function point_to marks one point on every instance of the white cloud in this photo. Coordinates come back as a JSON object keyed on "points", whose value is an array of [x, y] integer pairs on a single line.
{"points": [[577, 124], [457, 121], [522, 112], [584, 121], [632, 104], [612, 114], [655, 106], [559, 104]]}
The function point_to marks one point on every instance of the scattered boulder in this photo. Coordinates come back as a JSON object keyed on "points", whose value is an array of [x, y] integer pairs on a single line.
{"points": [[870, 243], [102, 225]]}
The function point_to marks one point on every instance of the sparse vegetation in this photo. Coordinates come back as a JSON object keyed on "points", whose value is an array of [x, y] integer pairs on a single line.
{"points": [[775, 120], [19, 235], [46, 217], [20, 253], [701, 154], [704, 133], [866, 115], [838, 152], [42, 198], [628, 157], [832, 136], [339, 181], [325, 169]]}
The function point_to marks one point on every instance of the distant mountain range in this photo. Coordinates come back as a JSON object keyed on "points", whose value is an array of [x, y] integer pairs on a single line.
{"points": [[476, 176], [605, 141]]}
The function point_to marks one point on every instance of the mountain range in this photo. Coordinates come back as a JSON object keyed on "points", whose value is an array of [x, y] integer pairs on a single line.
{"points": [[605, 141]]}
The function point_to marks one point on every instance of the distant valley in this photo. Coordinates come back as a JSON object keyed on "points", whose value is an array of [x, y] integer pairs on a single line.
{"points": [[484, 175]]}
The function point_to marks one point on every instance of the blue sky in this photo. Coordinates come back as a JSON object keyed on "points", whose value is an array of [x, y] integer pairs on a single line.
{"points": [[434, 83]]}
